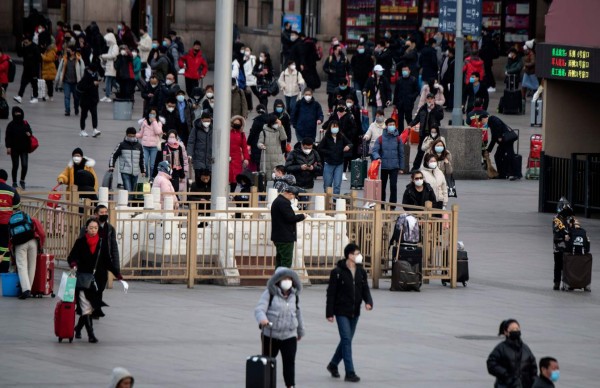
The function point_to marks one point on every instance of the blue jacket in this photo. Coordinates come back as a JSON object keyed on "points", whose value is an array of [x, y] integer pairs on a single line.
{"points": [[390, 150], [304, 118]]}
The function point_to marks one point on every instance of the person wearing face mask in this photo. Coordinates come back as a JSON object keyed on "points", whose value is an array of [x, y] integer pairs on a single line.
{"points": [[70, 71], [17, 141], [384, 58], [174, 153], [77, 163], [281, 113], [195, 67], [238, 150], [375, 130], [125, 36], [196, 99], [239, 105], [368, 44], [282, 180], [108, 59], [209, 97], [125, 74], [447, 77], [279, 305], [88, 99], [475, 90], [473, 63], [377, 91], [435, 177], [361, 65], [137, 70], [405, 93], [169, 115], [171, 85], [444, 157], [164, 182], [269, 141], [390, 150], [283, 226], [348, 288], [286, 42], [200, 143], [344, 91], [151, 133], [410, 58], [131, 160], [549, 373], [512, 70], [418, 192], [185, 116], [159, 63], [307, 115], [172, 53], [154, 94], [305, 164], [263, 71], [428, 116], [250, 61], [336, 42], [348, 128], [333, 147], [511, 362], [433, 136], [432, 86], [291, 84], [529, 81], [337, 68], [144, 45]]}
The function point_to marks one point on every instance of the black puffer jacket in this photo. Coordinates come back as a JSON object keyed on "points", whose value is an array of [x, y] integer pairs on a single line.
{"points": [[410, 196], [513, 365], [296, 159], [427, 119], [333, 150], [17, 133], [345, 294], [284, 220]]}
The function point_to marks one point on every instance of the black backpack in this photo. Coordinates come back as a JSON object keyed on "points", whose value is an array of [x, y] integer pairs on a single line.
{"points": [[12, 70], [579, 241], [4, 108]]}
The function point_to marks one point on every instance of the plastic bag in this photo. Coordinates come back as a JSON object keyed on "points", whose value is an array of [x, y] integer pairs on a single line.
{"points": [[373, 172], [66, 291]]}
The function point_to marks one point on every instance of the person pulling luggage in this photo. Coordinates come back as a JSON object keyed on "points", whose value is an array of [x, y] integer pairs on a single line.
{"points": [[561, 237]]}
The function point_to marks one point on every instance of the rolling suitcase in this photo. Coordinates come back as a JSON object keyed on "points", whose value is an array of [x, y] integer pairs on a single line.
{"points": [[536, 113], [511, 82], [462, 269], [358, 170], [43, 282], [407, 269], [577, 271], [64, 320], [373, 189], [261, 370], [511, 103], [407, 166]]}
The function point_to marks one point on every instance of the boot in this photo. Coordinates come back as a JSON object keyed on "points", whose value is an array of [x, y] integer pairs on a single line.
{"points": [[80, 324], [90, 328]]}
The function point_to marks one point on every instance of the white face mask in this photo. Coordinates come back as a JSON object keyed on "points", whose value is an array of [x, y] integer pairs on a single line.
{"points": [[432, 165], [210, 95], [358, 259], [292, 67], [123, 52], [273, 175], [206, 124], [306, 151], [169, 82], [434, 134], [77, 159], [275, 126], [285, 284], [308, 98], [170, 109], [247, 53], [349, 104], [418, 182]]}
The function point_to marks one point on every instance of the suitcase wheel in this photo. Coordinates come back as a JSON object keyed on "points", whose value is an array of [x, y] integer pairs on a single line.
{"points": [[71, 340], [60, 339]]}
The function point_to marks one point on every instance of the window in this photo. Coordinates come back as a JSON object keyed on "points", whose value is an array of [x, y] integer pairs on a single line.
{"points": [[265, 16]]}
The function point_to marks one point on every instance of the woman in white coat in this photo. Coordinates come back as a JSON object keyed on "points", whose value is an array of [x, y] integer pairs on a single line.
{"points": [[108, 61], [250, 78], [436, 179]]}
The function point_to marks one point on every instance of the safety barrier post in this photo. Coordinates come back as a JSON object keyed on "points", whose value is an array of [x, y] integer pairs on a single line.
{"points": [[253, 196], [192, 244], [112, 219], [329, 198], [377, 244], [454, 245], [427, 243]]}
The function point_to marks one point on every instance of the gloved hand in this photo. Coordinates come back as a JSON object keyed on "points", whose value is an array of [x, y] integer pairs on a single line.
{"points": [[119, 277]]}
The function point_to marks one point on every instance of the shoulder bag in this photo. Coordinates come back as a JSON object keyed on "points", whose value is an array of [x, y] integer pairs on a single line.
{"points": [[509, 135]]}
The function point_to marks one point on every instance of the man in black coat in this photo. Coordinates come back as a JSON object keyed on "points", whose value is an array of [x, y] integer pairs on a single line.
{"points": [[447, 78], [257, 127], [549, 373], [361, 65], [154, 94], [428, 61], [475, 89], [283, 226], [32, 59], [304, 163], [348, 288], [384, 57], [405, 94], [428, 116], [505, 153]]}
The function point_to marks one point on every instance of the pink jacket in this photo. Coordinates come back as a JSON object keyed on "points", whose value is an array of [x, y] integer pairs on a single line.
{"points": [[150, 133], [163, 182]]}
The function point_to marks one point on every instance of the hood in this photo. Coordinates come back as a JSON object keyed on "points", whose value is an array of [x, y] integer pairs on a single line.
{"points": [[164, 174], [266, 127], [89, 162], [16, 109], [198, 124], [238, 117], [278, 102], [119, 374], [280, 273], [244, 178], [110, 39]]}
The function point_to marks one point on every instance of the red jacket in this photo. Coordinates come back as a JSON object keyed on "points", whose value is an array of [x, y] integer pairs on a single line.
{"points": [[39, 232], [9, 201], [4, 64], [473, 64], [195, 65], [238, 152]]}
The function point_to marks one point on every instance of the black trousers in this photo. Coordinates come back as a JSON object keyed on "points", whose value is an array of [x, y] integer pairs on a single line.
{"points": [[24, 158], [4, 236], [393, 177], [93, 110], [248, 94], [558, 266], [50, 87], [406, 113], [288, 356], [263, 98], [190, 84], [418, 162], [505, 153], [489, 79], [26, 79]]}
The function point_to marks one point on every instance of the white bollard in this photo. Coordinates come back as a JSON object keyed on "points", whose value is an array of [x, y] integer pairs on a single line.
{"points": [[319, 206], [155, 191], [148, 202], [221, 205], [103, 196], [123, 198], [169, 202], [340, 209], [271, 195]]}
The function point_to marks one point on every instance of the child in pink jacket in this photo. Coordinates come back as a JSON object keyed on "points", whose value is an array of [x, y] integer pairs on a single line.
{"points": [[151, 134], [163, 182]]}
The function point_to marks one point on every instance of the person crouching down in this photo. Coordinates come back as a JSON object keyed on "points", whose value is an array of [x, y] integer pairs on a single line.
{"points": [[279, 305]]}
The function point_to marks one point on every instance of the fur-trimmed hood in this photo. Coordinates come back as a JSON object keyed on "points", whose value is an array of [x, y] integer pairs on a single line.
{"points": [[89, 162], [280, 273]]}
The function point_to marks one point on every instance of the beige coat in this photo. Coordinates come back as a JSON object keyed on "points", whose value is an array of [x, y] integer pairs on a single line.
{"points": [[291, 84], [437, 181]]}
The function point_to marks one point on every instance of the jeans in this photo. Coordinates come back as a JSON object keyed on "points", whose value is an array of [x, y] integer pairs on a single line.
{"points": [[93, 109], [290, 103], [69, 88], [110, 81], [346, 328], [149, 159], [332, 176], [288, 349], [393, 176], [24, 157], [25, 255], [129, 181]]}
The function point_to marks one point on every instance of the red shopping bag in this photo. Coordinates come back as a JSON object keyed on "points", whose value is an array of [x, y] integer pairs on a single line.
{"points": [[404, 135], [54, 196], [395, 116], [33, 143], [373, 172]]}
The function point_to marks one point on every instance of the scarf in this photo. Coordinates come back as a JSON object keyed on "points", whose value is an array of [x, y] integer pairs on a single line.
{"points": [[92, 242]]}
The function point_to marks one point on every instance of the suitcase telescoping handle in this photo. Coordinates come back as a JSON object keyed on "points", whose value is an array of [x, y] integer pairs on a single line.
{"points": [[270, 324]]}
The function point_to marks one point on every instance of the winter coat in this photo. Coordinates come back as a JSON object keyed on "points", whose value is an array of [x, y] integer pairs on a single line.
{"points": [[248, 70], [176, 158], [513, 364], [183, 127], [285, 119], [412, 197], [195, 65], [131, 158], [337, 70], [437, 180], [283, 311], [385, 59], [238, 150], [283, 220], [405, 93], [361, 65], [48, 64], [390, 150], [426, 119], [514, 66], [124, 67], [347, 128], [144, 47], [154, 96], [542, 382], [429, 63], [62, 69], [469, 96], [410, 59], [200, 144], [4, 65], [428, 142], [497, 128], [473, 64], [291, 84], [163, 182], [272, 138], [305, 117], [447, 71], [332, 149], [18, 133], [160, 66], [345, 293], [439, 95], [255, 131], [280, 183], [239, 105], [109, 58], [296, 159], [88, 91], [150, 133], [119, 374], [112, 246], [446, 168], [375, 130], [67, 176], [173, 49], [31, 59], [378, 84], [262, 80]]}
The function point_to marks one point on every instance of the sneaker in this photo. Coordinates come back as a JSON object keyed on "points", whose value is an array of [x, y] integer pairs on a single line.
{"points": [[333, 370], [108, 100], [556, 286], [22, 184], [344, 178], [15, 185], [353, 378], [67, 113], [103, 99], [25, 295], [491, 90], [51, 99], [96, 133], [18, 99], [33, 101], [83, 133]]}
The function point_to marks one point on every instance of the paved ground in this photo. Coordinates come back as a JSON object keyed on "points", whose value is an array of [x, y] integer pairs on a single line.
{"points": [[167, 335]]}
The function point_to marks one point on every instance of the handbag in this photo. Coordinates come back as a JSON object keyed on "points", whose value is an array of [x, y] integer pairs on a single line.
{"points": [[451, 186], [85, 279], [33, 143], [509, 135], [54, 196], [273, 88]]}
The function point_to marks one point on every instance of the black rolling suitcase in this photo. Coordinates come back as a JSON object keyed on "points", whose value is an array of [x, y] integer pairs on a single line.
{"points": [[462, 269], [511, 103], [261, 370], [516, 164], [407, 268], [577, 271], [358, 171]]}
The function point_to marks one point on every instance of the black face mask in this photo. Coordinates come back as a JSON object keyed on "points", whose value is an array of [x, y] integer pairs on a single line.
{"points": [[341, 109], [237, 126], [103, 218], [515, 335]]}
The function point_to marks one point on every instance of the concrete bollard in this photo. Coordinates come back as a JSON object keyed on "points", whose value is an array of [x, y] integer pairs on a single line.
{"points": [[123, 198], [464, 143], [319, 205], [221, 205], [148, 202], [271, 195], [155, 191], [169, 202], [103, 196]]}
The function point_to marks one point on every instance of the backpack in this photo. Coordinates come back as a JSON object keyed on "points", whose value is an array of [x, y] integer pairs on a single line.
{"points": [[4, 108], [579, 241], [406, 229], [180, 46], [12, 70], [20, 228]]}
